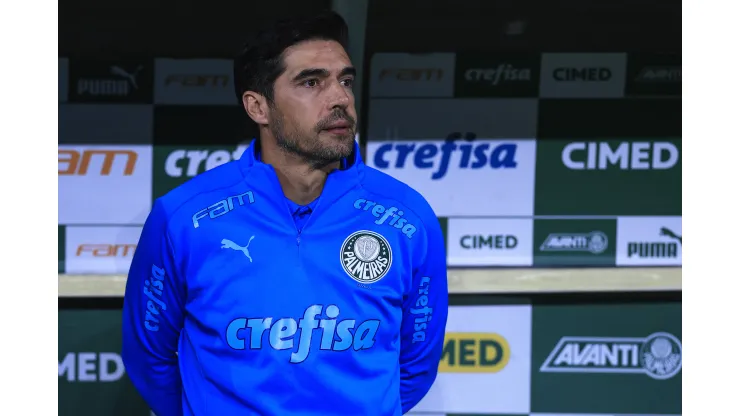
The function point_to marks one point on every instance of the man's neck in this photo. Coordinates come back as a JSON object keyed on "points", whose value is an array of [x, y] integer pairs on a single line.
{"points": [[301, 182]]}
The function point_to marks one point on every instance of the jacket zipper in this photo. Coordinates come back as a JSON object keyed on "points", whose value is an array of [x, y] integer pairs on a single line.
{"points": [[300, 230]]}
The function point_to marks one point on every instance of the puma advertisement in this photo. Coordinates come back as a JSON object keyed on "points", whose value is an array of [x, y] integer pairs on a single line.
{"points": [[111, 81], [649, 241]]}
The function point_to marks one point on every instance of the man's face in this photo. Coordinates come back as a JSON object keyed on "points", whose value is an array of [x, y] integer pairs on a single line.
{"points": [[314, 112]]}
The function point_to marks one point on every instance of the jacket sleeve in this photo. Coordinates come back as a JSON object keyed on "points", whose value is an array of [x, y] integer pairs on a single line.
{"points": [[153, 318], [424, 320]]}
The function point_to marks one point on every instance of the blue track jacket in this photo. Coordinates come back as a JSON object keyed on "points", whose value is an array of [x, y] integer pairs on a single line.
{"points": [[231, 308]]}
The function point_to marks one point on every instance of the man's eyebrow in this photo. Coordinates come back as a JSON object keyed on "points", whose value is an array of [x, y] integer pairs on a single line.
{"points": [[349, 70], [311, 72], [323, 73]]}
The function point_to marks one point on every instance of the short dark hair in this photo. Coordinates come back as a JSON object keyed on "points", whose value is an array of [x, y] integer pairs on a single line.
{"points": [[260, 62]]}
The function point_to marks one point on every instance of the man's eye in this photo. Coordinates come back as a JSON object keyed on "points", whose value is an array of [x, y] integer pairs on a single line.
{"points": [[310, 83], [348, 82]]}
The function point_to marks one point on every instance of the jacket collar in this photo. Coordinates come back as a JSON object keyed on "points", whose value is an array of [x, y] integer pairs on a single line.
{"points": [[338, 182]]}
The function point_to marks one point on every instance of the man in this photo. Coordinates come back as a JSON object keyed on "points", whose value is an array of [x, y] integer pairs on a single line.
{"points": [[296, 280]]}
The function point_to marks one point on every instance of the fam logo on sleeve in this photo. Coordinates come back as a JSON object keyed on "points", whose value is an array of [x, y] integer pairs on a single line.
{"points": [[583, 75], [111, 81]]}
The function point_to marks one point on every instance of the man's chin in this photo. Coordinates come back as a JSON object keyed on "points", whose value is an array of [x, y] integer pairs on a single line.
{"points": [[336, 152], [346, 141], [347, 145]]}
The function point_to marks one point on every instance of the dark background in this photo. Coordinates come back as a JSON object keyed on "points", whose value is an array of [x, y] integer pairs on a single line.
{"points": [[141, 30], [214, 29]]}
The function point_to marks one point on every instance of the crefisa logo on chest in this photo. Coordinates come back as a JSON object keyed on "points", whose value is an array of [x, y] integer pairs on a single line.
{"points": [[366, 256]]}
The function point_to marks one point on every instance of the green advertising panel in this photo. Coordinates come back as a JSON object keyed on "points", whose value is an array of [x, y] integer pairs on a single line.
{"points": [[61, 246], [574, 242], [608, 177], [609, 359], [443, 223], [174, 166], [92, 380]]}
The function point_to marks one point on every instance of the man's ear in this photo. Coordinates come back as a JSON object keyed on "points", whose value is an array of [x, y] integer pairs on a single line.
{"points": [[256, 106]]}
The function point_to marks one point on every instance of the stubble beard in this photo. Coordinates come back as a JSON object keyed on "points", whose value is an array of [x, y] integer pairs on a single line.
{"points": [[308, 146]]}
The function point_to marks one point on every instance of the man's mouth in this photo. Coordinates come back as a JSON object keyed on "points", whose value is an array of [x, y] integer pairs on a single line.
{"points": [[339, 128]]}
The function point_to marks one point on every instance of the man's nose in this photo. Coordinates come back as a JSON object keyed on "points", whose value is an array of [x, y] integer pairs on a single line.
{"points": [[338, 96]]}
